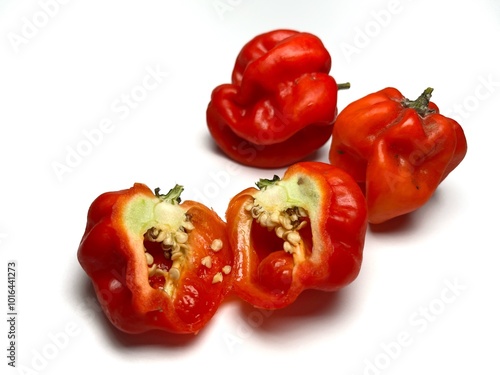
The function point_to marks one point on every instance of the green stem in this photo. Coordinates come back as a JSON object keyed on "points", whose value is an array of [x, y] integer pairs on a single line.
{"points": [[173, 196], [264, 183], [421, 104], [343, 86]]}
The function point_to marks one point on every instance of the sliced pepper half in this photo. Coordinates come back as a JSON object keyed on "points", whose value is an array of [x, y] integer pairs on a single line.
{"points": [[305, 230], [156, 263]]}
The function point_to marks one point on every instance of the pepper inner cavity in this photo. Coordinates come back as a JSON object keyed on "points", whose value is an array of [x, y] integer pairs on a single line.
{"points": [[286, 224], [166, 251]]}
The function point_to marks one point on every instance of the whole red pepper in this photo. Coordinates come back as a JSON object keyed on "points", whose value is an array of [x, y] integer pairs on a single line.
{"points": [[303, 231], [281, 104], [401, 150], [156, 263]]}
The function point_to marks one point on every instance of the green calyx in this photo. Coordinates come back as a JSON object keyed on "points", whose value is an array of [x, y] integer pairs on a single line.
{"points": [[165, 212], [173, 196], [264, 183], [278, 195], [421, 104]]}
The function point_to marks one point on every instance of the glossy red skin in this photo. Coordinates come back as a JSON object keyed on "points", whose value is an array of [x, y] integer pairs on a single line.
{"points": [[398, 155], [281, 104], [333, 258], [119, 273]]}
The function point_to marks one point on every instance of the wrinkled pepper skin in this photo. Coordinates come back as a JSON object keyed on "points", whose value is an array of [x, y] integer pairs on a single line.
{"points": [[303, 231], [400, 150], [281, 103], [127, 251]]}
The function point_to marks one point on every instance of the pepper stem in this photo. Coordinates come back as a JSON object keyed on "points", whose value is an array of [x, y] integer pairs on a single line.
{"points": [[173, 196], [421, 104], [264, 183], [343, 86]]}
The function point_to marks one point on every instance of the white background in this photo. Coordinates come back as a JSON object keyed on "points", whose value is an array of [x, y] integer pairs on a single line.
{"points": [[425, 301]]}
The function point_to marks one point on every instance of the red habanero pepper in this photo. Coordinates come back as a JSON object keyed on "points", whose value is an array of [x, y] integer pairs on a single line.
{"points": [[156, 263], [399, 149], [303, 231], [281, 104]]}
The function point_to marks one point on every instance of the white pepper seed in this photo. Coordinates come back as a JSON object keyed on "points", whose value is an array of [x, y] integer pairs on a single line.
{"points": [[249, 206], [275, 217], [149, 259], [187, 225], [152, 270], [217, 278], [288, 247], [168, 240], [280, 231], [293, 237], [174, 273], [181, 237], [175, 255], [216, 244], [301, 225], [207, 261]]}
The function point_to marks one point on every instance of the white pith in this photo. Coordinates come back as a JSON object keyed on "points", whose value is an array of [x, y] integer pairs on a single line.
{"points": [[171, 227]]}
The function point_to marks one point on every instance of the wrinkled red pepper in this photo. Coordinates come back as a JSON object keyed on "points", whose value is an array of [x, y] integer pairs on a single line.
{"points": [[281, 104], [303, 231], [156, 263], [401, 150]]}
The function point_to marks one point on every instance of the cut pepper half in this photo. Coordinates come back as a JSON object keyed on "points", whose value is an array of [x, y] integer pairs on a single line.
{"points": [[305, 230]]}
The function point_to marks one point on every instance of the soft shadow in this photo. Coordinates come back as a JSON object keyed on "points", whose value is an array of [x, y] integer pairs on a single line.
{"points": [[311, 305], [122, 339], [152, 339], [317, 155], [410, 221], [211, 146], [404, 223]]}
